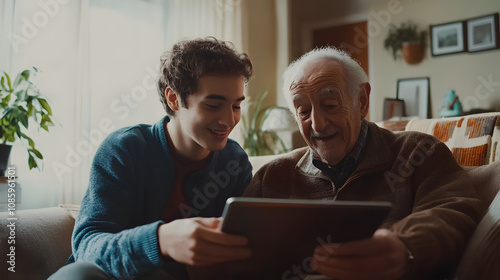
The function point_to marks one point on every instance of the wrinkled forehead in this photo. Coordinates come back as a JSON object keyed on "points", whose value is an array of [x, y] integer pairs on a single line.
{"points": [[318, 73]]}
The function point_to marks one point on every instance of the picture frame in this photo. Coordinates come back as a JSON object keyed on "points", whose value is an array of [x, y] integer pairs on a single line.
{"points": [[482, 33], [415, 93], [448, 38], [393, 107]]}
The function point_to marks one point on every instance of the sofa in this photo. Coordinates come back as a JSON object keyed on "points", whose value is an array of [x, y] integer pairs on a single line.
{"points": [[42, 236]]}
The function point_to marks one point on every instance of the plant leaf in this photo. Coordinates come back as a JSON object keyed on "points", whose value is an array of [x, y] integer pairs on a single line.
{"points": [[5, 121], [18, 80], [45, 122], [265, 113], [31, 109], [31, 162], [6, 100], [26, 74], [9, 83], [30, 141], [258, 142], [256, 112], [21, 96], [45, 105], [37, 153], [10, 136], [23, 119], [2, 82], [23, 76], [244, 122]]}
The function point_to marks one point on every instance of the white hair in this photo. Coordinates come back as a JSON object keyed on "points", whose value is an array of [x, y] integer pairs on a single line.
{"points": [[355, 75]]}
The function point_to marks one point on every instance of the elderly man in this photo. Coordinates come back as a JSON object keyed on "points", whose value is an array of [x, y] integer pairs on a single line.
{"points": [[348, 158]]}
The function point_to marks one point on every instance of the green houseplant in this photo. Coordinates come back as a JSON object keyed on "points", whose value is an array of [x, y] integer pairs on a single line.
{"points": [[258, 142], [21, 103], [405, 40]]}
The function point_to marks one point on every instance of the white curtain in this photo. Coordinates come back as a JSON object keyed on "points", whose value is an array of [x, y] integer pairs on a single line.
{"points": [[99, 63], [223, 19], [6, 18]]}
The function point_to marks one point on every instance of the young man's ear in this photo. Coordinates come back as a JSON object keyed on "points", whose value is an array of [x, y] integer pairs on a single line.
{"points": [[364, 99], [172, 99]]}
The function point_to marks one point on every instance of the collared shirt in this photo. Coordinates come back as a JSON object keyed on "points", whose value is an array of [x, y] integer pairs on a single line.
{"points": [[342, 171]]}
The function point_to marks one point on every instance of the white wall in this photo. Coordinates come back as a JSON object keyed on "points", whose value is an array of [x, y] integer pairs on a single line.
{"points": [[262, 48], [462, 72]]}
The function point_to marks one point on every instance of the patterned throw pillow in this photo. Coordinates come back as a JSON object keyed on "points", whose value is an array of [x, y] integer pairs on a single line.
{"points": [[473, 139]]}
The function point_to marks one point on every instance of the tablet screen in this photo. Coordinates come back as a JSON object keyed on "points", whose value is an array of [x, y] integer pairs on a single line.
{"points": [[285, 232]]}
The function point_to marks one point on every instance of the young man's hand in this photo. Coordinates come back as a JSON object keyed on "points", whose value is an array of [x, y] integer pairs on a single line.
{"points": [[199, 241], [384, 256]]}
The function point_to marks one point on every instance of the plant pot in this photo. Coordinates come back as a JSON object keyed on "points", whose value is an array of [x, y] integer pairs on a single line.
{"points": [[413, 52], [4, 158]]}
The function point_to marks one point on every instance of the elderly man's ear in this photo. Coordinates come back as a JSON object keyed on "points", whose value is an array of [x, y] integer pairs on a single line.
{"points": [[364, 99]]}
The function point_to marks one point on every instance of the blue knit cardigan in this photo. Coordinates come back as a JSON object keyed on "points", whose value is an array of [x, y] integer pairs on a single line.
{"points": [[131, 179]]}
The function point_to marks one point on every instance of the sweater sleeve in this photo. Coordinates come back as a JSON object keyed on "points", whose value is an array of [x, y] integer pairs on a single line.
{"points": [[445, 211], [254, 189], [104, 231]]}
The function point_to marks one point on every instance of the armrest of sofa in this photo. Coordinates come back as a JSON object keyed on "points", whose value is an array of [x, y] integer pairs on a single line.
{"points": [[482, 255], [42, 242], [486, 180]]}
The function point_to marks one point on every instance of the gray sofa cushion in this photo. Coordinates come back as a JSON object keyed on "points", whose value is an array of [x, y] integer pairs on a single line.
{"points": [[486, 181], [481, 258], [43, 242]]}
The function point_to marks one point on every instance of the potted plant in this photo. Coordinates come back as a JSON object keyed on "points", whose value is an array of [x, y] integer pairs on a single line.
{"points": [[259, 142], [21, 104], [406, 40]]}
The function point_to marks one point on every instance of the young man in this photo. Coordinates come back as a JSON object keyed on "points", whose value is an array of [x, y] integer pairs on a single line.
{"points": [[154, 188]]}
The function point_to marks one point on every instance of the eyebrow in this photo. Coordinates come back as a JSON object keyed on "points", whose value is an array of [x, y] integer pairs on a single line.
{"points": [[328, 90], [297, 98], [223, 98]]}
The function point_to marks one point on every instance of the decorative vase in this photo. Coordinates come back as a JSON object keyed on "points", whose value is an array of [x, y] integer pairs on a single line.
{"points": [[4, 158], [413, 52]]}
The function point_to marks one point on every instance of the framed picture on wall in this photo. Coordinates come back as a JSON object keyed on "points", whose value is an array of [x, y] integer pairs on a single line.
{"points": [[482, 33], [393, 108], [448, 38], [415, 93]]}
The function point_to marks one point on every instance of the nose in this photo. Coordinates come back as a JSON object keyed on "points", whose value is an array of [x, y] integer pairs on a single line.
{"points": [[318, 120], [228, 117]]}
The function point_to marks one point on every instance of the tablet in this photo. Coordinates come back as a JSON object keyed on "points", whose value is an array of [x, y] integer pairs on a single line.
{"points": [[284, 232]]}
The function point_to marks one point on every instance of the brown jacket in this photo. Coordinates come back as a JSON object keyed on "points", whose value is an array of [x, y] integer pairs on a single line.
{"points": [[435, 206]]}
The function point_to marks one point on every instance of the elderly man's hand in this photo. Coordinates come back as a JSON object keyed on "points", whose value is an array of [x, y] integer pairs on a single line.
{"points": [[384, 256]]}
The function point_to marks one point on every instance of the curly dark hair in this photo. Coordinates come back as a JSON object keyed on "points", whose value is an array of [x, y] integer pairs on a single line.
{"points": [[189, 60]]}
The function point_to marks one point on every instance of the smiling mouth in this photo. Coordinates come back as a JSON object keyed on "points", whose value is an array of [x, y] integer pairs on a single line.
{"points": [[219, 132], [325, 138]]}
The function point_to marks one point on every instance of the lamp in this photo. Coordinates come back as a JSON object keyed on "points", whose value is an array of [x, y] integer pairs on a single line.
{"points": [[280, 119]]}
